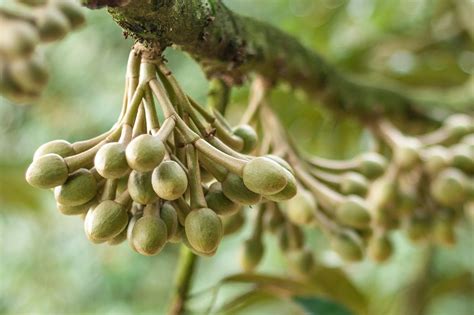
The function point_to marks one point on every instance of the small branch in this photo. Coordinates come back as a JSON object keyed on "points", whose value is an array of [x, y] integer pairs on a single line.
{"points": [[184, 276]]}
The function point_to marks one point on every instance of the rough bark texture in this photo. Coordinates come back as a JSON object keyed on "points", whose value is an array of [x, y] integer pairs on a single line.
{"points": [[229, 46]]}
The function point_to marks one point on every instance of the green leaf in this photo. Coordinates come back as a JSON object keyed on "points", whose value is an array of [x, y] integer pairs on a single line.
{"points": [[318, 306]]}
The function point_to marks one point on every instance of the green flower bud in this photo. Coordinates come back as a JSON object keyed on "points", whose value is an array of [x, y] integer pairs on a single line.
{"points": [[204, 230], [31, 74], [463, 157], [217, 201], [301, 261], [76, 210], [288, 192], [449, 188], [248, 135], [347, 248], [149, 235], [79, 188], [110, 161], [18, 39], [233, 223], [443, 231], [280, 161], [169, 180], [380, 248], [407, 155], [52, 25], [290, 237], [354, 212], [140, 188], [459, 124], [235, 189], [105, 221], [301, 208], [59, 147], [436, 159], [72, 11], [145, 152], [169, 215], [264, 176], [418, 227], [48, 171], [251, 254], [372, 164], [354, 184], [120, 238]]}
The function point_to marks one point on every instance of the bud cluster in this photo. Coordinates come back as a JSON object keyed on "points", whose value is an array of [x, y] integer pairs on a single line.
{"points": [[167, 173], [25, 26]]}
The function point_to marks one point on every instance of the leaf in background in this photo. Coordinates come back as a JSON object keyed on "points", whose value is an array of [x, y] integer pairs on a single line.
{"points": [[333, 283], [15, 192], [318, 306]]}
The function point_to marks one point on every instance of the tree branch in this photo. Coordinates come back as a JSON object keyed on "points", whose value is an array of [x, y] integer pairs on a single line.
{"points": [[230, 46]]}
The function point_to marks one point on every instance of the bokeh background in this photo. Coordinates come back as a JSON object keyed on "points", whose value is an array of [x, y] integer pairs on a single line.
{"points": [[48, 267]]}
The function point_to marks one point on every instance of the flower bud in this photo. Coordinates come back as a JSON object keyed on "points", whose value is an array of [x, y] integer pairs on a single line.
{"points": [[249, 137], [169, 180], [145, 152], [264, 176], [48, 171], [204, 230], [110, 161], [79, 188]]}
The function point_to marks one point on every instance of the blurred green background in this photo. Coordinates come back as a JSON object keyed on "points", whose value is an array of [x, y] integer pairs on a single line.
{"points": [[48, 267]]}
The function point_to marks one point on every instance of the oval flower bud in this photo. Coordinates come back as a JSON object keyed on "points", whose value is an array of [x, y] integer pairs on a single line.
{"points": [[52, 24], [251, 254], [145, 152], [264, 176], [48, 171], [76, 210], [347, 248], [380, 248], [110, 161], [204, 230], [217, 201], [235, 189], [288, 192], [407, 155], [149, 235], [449, 187], [354, 212], [106, 221], [169, 180], [59, 147], [79, 188], [372, 164], [248, 135], [169, 215], [301, 261], [301, 208], [354, 184], [140, 188], [233, 223]]}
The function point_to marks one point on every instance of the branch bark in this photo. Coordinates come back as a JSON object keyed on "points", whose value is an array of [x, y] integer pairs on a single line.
{"points": [[229, 46]]}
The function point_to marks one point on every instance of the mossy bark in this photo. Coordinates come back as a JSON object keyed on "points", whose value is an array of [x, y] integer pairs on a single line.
{"points": [[230, 46]]}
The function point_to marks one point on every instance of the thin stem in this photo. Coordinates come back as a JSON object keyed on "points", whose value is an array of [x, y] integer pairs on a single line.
{"points": [[184, 276], [218, 95]]}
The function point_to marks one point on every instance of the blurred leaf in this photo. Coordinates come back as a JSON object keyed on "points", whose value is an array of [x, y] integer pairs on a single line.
{"points": [[317, 306], [15, 192]]}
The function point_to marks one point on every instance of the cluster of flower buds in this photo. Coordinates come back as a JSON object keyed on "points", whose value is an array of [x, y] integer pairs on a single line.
{"points": [[423, 188], [172, 172], [26, 25]]}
